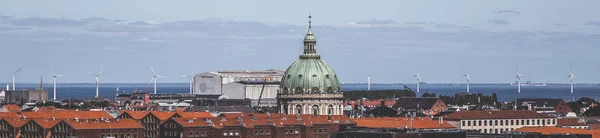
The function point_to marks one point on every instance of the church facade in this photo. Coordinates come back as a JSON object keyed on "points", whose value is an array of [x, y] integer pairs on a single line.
{"points": [[309, 85]]}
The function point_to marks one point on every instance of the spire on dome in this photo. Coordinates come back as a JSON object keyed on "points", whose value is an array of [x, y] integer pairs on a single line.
{"points": [[309, 40]]}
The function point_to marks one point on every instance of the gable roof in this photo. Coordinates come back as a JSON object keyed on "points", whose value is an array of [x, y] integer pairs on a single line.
{"points": [[104, 124], [503, 114], [163, 115], [220, 109], [134, 114], [46, 123], [194, 114], [415, 103], [12, 108], [399, 122], [67, 114], [15, 122]]}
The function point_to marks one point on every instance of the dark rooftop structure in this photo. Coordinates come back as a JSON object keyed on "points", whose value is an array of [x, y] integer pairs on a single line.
{"points": [[543, 104], [412, 104], [220, 109]]}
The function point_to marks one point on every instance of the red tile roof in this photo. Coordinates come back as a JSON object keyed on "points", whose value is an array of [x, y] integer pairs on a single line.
{"points": [[12, 108], [191, 115], [569, 122], [163, 115], [502, 114], [67, 114], [393, 122], [16, 122], [46, 123], [135, 114], [104, 124], [558, 130]]}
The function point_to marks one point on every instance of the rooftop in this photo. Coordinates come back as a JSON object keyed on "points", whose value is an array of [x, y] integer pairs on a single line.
{"points": [[398, 122], [502, 114], [556, 130]]}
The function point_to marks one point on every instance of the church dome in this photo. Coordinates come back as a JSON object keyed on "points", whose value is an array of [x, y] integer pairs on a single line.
{"points": [[310, 74]]}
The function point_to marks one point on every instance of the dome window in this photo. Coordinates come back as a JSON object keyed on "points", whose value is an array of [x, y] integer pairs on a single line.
{"points": [[315, 89], [329, 89], [289, 76], [300, 76], [298, 89], [314, 75], [327, 76]]}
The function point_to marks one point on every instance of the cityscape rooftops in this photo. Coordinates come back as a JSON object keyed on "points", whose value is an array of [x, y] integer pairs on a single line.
{"points": [[104, 124], [398, 122], [503, 114]]}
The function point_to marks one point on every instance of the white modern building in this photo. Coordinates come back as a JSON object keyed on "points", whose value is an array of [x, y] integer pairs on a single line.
{"points": [[240, 84], [497, 122]]}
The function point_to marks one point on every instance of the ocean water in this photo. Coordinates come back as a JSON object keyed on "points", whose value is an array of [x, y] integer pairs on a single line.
{"points": [[505, 92]]}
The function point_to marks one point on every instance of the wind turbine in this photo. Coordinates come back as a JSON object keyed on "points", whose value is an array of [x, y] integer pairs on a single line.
{"points": [[369, 79], [191, 77], [154, 78], [97, 83], [53, 81], [418, 77], [571, 76], [519, 82], [468, 81], [13, 78]]}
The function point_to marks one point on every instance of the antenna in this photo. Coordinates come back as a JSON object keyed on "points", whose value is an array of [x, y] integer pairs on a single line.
{"points": [[97, 81], [191, 77]]}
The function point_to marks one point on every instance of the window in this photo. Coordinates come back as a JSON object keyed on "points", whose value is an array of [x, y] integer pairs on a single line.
{"points": [[538, 122], [255, 132], [262, 132], [285, 131], [501, 122], [237, 132], [297, 131], [191, 134], [496, 123], [463, 123], [315, 109], [202, 134], [468, 123], [320, 130], [102, 135], [267, 132], [528, 122], [325, 130], [485, 123], [485, 131], [315, 131], [543, 122], [225, 133], [479, 123]]}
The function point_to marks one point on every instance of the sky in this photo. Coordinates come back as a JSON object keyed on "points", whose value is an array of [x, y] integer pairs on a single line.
{"points": [[491, 40]]}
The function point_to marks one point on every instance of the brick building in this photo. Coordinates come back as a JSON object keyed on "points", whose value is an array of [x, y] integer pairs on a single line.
{"points": [[420, 104], [543, 105], [496, 122]]}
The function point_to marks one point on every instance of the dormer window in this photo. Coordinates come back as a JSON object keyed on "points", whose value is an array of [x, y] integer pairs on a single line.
{"points": [[315, 89], [314, 75], [327, 76], [300, 76]]}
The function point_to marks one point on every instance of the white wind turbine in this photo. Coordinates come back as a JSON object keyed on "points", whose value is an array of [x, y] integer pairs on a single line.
{"points": [[13, 78], [519, 82], [418, 78], [571, 77], [154, 78], [97, 81], [468, 81], [369, 79], [191, 77], [53, 81]]}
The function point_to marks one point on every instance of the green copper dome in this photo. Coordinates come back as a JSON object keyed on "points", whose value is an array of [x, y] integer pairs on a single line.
{"points": [[310, 74]]}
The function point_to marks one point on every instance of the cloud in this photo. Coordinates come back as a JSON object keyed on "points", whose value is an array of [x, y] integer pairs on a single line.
{"points": [[498, 22], [592, 23], [47, 22], [375, 22], [560, 24], [508, 12], [139, 23], [445, 25], [421, 22]]}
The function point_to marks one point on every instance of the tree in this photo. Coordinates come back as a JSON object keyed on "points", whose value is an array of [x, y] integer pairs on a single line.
{"points": [[426, 94]]}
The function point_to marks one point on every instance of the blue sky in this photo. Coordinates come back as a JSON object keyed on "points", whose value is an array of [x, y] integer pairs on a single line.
{"points": [[439, 39]]}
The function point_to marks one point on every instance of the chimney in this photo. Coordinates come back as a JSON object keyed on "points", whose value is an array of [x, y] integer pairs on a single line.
{"points": [[382, 103]]}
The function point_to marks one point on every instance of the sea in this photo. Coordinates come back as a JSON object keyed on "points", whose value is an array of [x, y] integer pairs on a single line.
{"points": [[505, 92]]}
